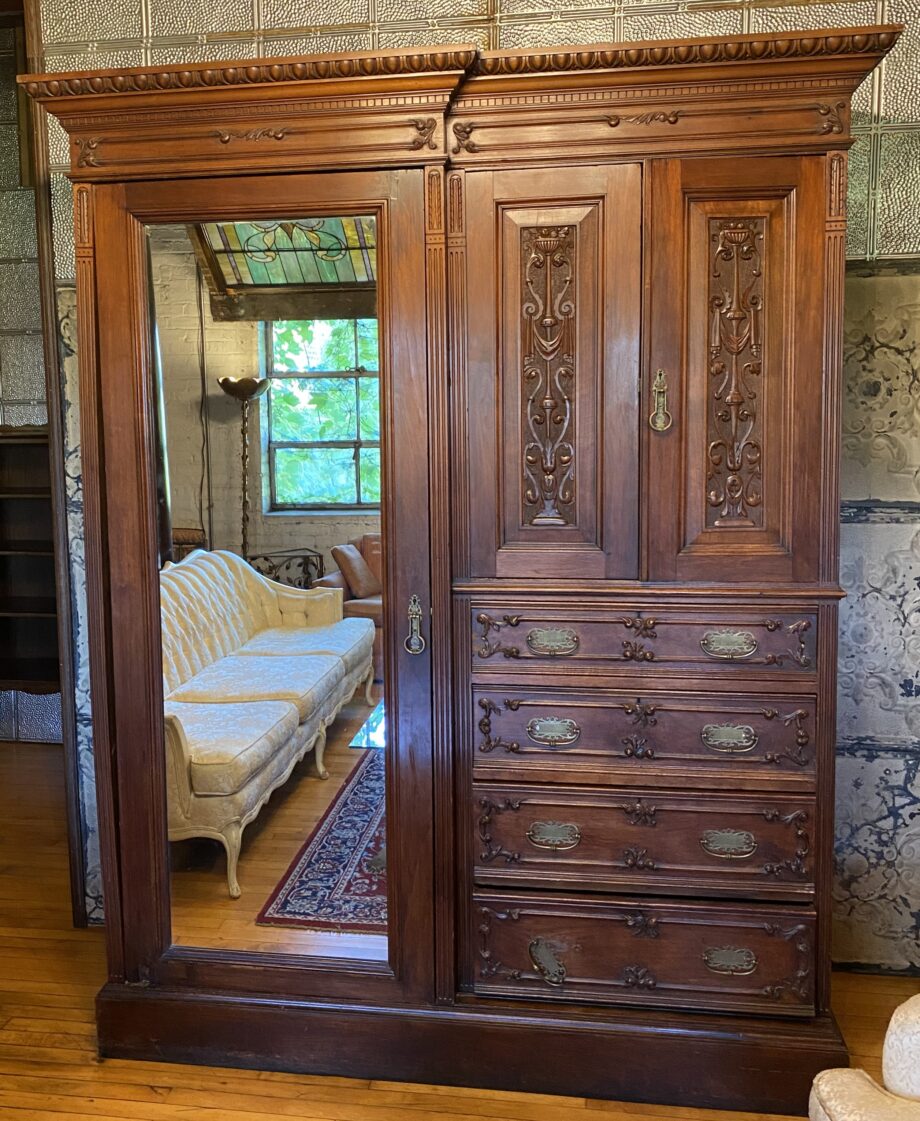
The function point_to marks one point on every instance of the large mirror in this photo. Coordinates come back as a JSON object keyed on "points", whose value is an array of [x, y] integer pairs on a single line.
{"points": [[267, 352]]}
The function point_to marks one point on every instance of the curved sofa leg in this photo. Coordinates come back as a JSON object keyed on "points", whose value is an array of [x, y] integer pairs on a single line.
{"points": [[319, 752], [232, 836], [369, 686]]}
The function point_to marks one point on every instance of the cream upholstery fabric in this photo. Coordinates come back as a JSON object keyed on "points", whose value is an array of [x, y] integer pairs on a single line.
{"points": [[901, 1054], [238, 722], [352, 640], [228, 744], [851, 1095], [304, 681]]}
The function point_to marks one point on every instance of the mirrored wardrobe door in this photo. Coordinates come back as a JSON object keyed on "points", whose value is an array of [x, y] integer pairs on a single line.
{"points": [[286, 392]]}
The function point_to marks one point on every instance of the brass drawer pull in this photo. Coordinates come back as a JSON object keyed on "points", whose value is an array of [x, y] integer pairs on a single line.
{"points": [[729, 844], [734, 961], [555, 642], [558, 836], [552, 731], [550, 968], [729, 739], [728, 645]]}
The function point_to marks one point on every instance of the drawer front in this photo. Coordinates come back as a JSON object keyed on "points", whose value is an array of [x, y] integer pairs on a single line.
{"points": [[578, 639], [644, 841], [565, 735], [754, 959]]}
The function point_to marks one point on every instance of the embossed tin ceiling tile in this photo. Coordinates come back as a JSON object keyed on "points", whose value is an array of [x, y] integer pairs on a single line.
{"points": [[430, 9], [901, 70], [25, 414], [288, 14], [858, 197], [557, 33], [479, 34], [881, 408], [898, 230], [19, 303], [58, 145], [9, 102], [104, 56], [17, 224], [9, 157], [7, 38], [7, 724], [679, 25], [80, 21], [39, 717], [513, 7], [182, 17], [22, 368], [166, 54], [65, 266], [283, 47]]}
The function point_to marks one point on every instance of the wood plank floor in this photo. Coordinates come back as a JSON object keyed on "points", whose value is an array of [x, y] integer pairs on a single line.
{"points": [[203, 913], [49, 974]]}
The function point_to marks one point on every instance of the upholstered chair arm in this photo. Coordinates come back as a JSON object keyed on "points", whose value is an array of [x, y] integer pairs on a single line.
{"points": [[333, 580], [901, 1053], [178, 766], [851, 1095]]}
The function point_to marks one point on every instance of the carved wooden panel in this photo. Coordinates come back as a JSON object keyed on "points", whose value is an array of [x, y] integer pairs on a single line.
{"points": [[735, 492], [552, 361]]}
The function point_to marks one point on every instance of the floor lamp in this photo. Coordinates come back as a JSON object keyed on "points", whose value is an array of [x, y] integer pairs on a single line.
{"points": [[244, 390]]}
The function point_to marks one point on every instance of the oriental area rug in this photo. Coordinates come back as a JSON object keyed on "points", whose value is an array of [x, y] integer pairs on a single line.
{"points": [[338, 879]]}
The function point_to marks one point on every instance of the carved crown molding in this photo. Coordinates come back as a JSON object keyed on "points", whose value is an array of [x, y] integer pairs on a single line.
{"points": [[315, 68], [857, 41]]}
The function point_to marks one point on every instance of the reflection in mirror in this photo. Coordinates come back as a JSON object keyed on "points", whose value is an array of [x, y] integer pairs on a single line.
{"points": [[271, 589]]}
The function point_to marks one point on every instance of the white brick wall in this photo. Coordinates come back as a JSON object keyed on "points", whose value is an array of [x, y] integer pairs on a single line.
{"points": [[231, 349]]}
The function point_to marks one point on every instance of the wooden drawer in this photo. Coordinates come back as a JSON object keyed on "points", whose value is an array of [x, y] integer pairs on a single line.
{"points": [[745, 959], [644, 841], [614, 737], [570, 639]]}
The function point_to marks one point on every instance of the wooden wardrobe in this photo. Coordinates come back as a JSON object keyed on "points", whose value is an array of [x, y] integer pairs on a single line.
{"points": [[617, 277]]}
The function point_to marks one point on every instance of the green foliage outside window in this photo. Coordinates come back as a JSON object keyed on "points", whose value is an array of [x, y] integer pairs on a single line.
{"points": [[324, 413]]}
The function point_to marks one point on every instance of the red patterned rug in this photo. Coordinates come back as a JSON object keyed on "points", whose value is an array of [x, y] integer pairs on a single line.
{"points": [[338, 879]]}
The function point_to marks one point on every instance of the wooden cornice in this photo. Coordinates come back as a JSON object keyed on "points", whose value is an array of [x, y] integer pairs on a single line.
{"points": [[391, 107]]}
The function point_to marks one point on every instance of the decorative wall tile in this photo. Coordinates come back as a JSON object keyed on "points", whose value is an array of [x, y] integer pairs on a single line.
{"points": [[682, 24], [479, 34], [17, 224], [22, 368], [285, 45], [879, 656], [183, 17], [7, 731], [881, 410], [58, 144], [430, 9], [901, 68], [95, 56], [877, 857], [9, 157], [556, 33], [200, 50], [290, 14], [74, 21], [898, 193], [38, 717], [8, 98], [65, 265], [20, 309], [7, 38], [511, 7], [25, 414], [858, 197]]}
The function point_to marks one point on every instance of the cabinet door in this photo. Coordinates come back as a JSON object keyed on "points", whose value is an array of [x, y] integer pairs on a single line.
{"points": [[736, 380], [551, 396]]}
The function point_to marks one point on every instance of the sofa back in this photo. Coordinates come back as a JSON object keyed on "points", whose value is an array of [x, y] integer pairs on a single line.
{"points": [[210, 605]]}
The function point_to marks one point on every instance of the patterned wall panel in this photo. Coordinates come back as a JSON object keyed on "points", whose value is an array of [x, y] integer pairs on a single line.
{"points": [[878, 853]]}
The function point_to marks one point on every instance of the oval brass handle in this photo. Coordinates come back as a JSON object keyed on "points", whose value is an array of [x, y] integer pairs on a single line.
{"points": [[552, 731], [729, 739], [734, 961], [544, 960], [558, 836], [729, 844], [660, 420], [414, 643], [728, 644], [556, 642]]}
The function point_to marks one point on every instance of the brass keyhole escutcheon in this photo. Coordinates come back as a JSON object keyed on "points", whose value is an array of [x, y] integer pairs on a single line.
{"points": [[660, 420], [415, 643]]}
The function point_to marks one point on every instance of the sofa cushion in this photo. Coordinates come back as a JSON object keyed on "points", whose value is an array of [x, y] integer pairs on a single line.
{"points": [[230, 743], [306, 681], [351, 640], [356, 571], [371, 546], [371, 607]]}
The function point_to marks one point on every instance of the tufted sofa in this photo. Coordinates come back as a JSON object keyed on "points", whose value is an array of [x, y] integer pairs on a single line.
{"points": [[851, 1095], [253, 674]]}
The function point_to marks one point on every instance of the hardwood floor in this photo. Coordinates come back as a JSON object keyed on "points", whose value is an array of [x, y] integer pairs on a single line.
{"points": [[203, 913], [49, 974]]}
